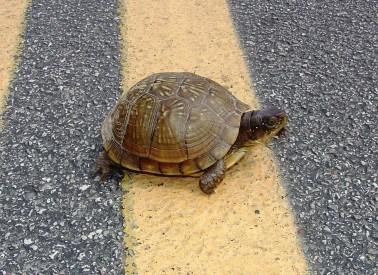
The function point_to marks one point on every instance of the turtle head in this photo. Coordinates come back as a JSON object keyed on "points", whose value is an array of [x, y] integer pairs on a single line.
{"points": [[261, 125]]}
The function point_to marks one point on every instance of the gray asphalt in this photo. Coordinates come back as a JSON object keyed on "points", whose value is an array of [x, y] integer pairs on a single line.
{"points": [[319, 61], [55, 217]]}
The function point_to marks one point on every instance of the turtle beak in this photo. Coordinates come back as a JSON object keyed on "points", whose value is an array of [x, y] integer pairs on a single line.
{"points": [[281, 133]]}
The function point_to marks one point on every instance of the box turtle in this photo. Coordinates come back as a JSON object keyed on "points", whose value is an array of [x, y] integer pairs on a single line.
{"points": [[182, 124]]}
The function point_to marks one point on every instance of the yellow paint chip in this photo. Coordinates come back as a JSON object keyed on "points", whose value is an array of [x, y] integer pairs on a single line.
{"points": [[171, 226], [11, 26]]}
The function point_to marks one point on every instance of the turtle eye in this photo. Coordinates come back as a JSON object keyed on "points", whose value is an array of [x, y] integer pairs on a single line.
{"points": [[272, 121]]}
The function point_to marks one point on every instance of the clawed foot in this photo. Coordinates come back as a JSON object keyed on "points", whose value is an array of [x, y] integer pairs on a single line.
{"points": [[208, 185], [212, 177]]}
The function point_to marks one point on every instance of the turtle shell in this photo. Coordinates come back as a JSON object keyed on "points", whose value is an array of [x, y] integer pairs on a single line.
{"points": [[173, 124]]}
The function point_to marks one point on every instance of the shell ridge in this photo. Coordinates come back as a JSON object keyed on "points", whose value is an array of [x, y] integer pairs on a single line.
{"points": [[207, 93], [186, 132], [187, 117], [152, 120], [124, 129], [152, 128]]}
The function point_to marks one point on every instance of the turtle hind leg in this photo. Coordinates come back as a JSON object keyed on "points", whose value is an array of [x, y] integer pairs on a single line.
{"points": [[105, 166], [212, 177]]}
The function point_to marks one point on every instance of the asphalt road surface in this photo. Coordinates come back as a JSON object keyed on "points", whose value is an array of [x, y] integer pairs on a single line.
{"points": [[55, 217], [316, 59]]}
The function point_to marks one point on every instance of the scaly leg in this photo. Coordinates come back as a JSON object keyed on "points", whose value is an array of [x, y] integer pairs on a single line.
{"points": [[212, 177]]}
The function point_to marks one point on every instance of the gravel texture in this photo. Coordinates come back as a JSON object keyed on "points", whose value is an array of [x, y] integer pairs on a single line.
{"points": [[56, 218], [319, 61]]}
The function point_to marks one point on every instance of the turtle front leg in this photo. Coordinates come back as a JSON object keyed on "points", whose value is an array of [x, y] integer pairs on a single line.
{"points": [[212, 177], [105, 166]]}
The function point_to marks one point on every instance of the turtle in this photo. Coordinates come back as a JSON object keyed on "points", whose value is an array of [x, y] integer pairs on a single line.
{"points": [[183, 124]]}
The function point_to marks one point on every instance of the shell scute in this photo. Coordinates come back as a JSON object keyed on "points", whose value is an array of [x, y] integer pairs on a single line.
{"points": [[200, 137], [140, 125], [168, 141], [162, 89], [219, 103]]}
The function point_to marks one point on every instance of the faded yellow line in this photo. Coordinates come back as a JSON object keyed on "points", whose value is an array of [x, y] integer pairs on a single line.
{"points": [[171, 227], [11, 26]]}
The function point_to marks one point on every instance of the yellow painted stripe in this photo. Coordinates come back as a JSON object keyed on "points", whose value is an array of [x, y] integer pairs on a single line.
{"points": [[170, 226], [11, 26]]}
